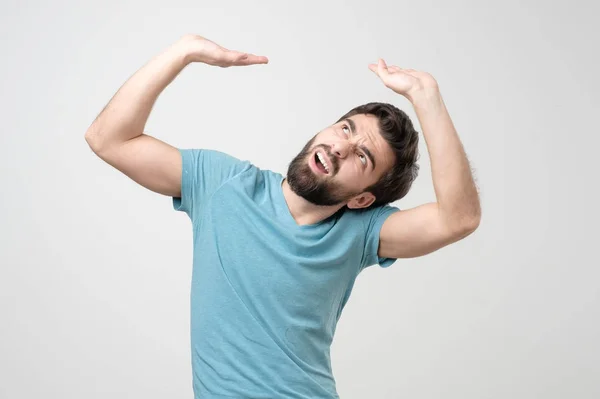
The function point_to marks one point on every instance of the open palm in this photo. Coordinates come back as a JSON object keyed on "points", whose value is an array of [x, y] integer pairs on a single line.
{"points": [[403, 81], [204, 50], [223, 57]]}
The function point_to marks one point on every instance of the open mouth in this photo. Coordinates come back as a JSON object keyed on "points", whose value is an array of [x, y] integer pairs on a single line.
{"points": [[321, 163]]}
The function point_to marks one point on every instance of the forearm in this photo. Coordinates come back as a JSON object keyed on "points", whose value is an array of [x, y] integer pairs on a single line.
{"points": [[126, 114], [453, 182]]}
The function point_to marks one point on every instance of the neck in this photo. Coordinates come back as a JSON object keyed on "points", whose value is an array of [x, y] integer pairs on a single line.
{"points": [[305, 212]]}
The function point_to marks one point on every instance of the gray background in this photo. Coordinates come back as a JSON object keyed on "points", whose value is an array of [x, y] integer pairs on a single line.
{"points": [[95, 270]]}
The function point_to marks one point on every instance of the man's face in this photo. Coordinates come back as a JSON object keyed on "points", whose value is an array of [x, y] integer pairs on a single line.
{"points": [[336, 165]]}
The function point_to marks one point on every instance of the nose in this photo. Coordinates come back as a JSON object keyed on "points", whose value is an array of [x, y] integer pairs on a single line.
{"points": [[341, 148]]}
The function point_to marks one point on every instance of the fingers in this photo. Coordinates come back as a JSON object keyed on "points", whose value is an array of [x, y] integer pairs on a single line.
{"points": [[391, 68], [382, 68], [257, 59], [241, 59], [395, 68]]}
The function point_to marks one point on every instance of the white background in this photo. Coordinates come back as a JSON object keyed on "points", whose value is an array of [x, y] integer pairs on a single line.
{"points": [[95, 270]]}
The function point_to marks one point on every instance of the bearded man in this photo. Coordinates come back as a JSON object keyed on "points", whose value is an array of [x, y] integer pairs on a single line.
{"points": [[276, 257]]}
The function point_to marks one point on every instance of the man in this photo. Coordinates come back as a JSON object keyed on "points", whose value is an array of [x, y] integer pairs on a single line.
{"points": [[275, 257]]}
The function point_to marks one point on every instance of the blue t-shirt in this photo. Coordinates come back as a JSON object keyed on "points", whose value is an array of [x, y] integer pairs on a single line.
{"points": [[266, 293]]}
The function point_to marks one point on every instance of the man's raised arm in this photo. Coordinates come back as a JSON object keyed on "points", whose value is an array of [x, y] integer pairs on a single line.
{"points": [[456, 213], [117, 134]]}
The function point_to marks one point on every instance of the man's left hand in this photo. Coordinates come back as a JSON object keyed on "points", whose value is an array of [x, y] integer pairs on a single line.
{"points": [[407, 82]]}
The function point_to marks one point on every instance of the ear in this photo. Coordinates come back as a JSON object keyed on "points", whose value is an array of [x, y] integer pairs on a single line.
{"points": [[363, 200]]}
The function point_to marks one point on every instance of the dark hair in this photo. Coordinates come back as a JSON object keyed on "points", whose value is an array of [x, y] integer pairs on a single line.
{"points": [[397, 129]]}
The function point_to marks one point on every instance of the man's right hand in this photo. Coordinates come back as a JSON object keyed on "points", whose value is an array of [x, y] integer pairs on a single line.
{"points": [[199, 49]]}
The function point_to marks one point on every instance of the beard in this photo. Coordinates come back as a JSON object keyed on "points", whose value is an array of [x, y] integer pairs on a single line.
{"points": [[316, 189]]}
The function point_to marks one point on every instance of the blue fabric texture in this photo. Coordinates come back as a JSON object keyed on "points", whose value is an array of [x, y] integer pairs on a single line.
{"points": [[266, 293]]}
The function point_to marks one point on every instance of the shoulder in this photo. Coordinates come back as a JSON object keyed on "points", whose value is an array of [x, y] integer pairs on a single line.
{"points": [[369, 216]]}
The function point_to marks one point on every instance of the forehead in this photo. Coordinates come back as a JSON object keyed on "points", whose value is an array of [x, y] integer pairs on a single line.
{"points": [[367, 127]]}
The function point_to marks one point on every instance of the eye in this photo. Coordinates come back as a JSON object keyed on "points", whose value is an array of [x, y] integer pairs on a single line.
{"points": [[363, 159], [346, 127]]}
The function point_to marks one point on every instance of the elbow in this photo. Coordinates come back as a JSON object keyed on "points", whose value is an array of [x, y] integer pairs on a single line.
{"points": [[93, 140], [471, 224], [465, 225], [90, 139], [469, 218]]}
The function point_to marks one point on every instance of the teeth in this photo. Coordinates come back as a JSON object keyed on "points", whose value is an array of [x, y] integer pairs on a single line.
{"points": [[322, 159]]}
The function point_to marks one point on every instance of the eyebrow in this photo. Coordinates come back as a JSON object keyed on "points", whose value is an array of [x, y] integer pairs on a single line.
{"points": [[352, 125]]}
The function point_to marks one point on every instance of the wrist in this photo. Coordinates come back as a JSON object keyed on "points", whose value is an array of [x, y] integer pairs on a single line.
{"points": [[425, 97], [185, 51]]}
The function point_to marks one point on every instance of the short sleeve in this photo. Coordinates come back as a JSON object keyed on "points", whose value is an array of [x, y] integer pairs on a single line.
{"points": [[203, 172], [374, 219]]}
